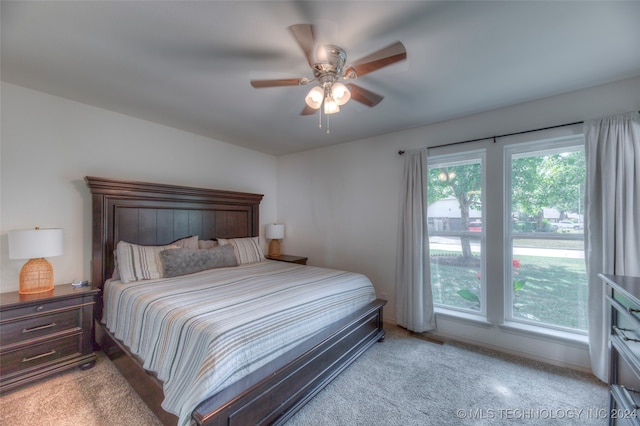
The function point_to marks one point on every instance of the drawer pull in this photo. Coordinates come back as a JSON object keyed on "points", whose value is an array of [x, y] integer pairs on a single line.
{"points": [[40, 308], [40, 327], [51, 352], [620, 331], [627, 392]]}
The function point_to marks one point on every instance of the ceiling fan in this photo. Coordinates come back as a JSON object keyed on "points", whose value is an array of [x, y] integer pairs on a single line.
{"points": [[329, 66]]}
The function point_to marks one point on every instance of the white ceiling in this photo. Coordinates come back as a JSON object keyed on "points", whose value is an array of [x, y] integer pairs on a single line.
{"points": [[188, 64]]}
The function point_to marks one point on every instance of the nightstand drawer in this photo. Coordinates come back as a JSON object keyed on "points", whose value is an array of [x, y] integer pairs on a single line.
{"points": [[36, 355], [39, 308], [40, 325]]}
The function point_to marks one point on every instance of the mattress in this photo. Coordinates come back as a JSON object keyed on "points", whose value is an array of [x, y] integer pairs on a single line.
{"points": [[201, 332]]}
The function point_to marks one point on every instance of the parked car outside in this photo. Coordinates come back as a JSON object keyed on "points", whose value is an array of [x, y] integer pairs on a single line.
{"points": [[567, 224], [475, 226]]}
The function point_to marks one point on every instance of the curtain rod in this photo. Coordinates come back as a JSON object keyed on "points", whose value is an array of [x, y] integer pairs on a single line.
{"points": [[500, 136]]}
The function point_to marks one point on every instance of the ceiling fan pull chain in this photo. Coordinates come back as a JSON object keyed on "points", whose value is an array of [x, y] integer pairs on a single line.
{"points": [[328, 129], [320, 119]]}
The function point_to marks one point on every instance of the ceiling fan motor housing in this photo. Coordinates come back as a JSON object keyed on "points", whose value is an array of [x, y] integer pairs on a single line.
{"points": [[332, 61]]}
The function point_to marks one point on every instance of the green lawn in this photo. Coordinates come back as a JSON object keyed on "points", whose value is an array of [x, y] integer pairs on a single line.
{"points": [[555, 290]]}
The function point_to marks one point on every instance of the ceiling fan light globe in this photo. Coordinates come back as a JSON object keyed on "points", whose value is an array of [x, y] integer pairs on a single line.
{"points": [[330, 106], [314, 97], [340, 93]]}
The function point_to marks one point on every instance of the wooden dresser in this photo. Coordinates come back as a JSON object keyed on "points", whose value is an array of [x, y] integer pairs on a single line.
{"points": [[623, 295], [45, 333]]}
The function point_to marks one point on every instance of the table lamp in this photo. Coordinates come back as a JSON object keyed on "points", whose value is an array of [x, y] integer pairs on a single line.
{"points": [[36, 276], [274, 232]]}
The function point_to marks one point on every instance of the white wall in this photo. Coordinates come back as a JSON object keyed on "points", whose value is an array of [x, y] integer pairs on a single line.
{"points": [[50, 144], [340, 204]]}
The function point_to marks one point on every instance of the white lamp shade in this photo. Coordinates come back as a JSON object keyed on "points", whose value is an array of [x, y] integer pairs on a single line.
{"points": [[274, 231], [35, 243]]}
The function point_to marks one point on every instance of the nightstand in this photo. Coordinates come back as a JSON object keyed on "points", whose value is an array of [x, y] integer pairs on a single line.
{"points": [[290, 259], [45, 333]]}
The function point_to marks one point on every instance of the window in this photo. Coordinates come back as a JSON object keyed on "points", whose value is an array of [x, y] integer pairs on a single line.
{"points": [[545, 273], [456, 236], [506, 233]]}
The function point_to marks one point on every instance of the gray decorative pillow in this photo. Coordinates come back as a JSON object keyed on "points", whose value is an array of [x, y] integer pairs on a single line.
{"points": [[182, 261]]}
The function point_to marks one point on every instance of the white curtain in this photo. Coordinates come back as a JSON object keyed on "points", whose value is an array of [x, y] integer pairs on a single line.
{"points": [[612, 222], [414, 302]]}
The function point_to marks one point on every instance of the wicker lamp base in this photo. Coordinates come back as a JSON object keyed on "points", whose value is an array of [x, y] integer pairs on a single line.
{"points": [[36, 276], [274, 247]]}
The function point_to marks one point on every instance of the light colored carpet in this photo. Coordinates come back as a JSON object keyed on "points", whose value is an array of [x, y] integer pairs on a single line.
{"points": [[402, 381], [96, 397], [408, 381]]}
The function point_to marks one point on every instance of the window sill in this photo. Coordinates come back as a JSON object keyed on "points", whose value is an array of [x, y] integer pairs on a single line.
{"points": [[558, 336], [542, 333], [464, 317]]}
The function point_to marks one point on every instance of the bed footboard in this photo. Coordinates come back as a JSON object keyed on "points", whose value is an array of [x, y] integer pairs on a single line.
{"points": [[272, 394]]}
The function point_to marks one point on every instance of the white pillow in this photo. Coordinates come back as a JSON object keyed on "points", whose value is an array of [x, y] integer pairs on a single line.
{"points": [[247, 249], [188, 242], [207, 244], [136, 262]]}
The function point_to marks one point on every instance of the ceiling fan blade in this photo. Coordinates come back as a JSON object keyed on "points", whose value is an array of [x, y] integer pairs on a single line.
{"points": [[386, 56], [258, 84], [308, 110], [364, 96], [305, 36]]}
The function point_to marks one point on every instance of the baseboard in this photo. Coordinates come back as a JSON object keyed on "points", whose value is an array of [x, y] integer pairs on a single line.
{"points": [[521, 354], [438, 337]]}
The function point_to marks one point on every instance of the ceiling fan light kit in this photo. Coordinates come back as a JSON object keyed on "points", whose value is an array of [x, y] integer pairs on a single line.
{"points": [[328, 65], [332, 96]]}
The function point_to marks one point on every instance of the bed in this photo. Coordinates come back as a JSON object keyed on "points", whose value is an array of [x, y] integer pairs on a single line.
{"points": [[154, 215]]}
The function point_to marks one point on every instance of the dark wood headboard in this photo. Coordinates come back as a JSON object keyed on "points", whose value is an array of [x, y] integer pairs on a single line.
{"points": [[156, 214]]}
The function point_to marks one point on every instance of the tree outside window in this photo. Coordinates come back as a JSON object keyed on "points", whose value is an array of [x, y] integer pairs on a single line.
{"points": [[455, 230], [544, 271], [546, 212]]}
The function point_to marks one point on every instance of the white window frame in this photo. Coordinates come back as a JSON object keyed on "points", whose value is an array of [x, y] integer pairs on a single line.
{"points": [[552, 145], [459, 159]]}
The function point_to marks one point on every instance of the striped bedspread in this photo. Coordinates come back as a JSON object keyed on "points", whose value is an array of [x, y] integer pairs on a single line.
{"points": [[201, 332]]}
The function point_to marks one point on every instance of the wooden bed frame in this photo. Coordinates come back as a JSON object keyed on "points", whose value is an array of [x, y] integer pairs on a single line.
{"points": [[155, 214]]}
